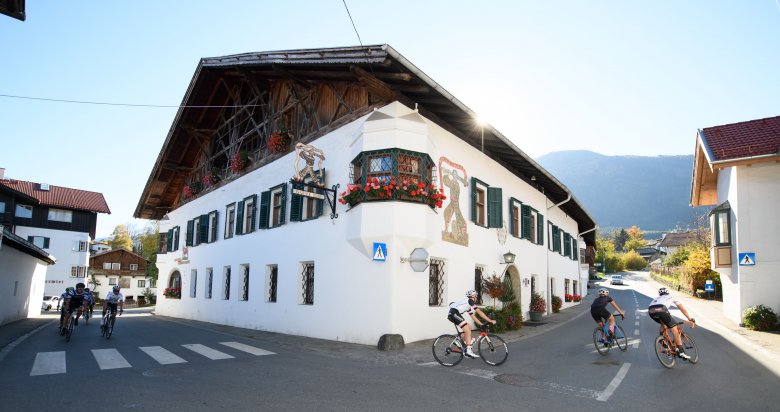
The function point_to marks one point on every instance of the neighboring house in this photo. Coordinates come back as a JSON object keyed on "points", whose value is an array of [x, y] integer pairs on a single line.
{"points": [[650, 253], [22, 272], [60, 220], [671, 241], [247, 245], [97, 247], [737, 169], [123, 268]]}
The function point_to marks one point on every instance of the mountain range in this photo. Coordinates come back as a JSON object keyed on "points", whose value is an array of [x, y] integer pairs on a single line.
{"points": [[651, 192]]}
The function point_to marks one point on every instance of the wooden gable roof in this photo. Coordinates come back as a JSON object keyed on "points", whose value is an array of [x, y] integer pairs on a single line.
{"points": [[381, 71]]}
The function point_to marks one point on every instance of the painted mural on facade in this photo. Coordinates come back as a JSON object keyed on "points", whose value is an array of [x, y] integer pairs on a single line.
{"points": [[453, 176]]}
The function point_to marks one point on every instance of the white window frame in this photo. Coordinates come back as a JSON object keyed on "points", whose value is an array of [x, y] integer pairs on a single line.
{"points": [[249, 207], [107, 265], [24, 211], [134, 266], [230, 219], [481, 208], [142, 283], [276, 209], [193, 283], [60, 215], [116, 266], [213, 226], [112, 281]]}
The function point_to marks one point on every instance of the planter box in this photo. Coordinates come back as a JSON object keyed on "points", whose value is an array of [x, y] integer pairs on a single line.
{"points": [[535, 316]]}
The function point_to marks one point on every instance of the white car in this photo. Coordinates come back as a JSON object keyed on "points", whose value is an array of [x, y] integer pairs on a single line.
{"points": [[50, 302], [616, 280]]}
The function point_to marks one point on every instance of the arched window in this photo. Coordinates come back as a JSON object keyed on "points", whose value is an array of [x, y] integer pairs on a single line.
{"points": [[174, 282]]}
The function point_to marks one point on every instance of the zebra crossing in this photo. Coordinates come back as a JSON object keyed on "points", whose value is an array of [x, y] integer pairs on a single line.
{"points": [[52, 363]]}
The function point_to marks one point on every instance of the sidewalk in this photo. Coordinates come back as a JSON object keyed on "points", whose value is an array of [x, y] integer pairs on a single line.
{"points": [[764, 347]]}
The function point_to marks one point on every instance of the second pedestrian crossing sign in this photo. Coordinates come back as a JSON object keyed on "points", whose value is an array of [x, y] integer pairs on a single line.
{"points": [[747, 259], [380, 251]]}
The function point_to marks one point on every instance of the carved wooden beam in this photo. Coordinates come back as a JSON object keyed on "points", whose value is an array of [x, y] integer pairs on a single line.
{"points": [[373, 84]]}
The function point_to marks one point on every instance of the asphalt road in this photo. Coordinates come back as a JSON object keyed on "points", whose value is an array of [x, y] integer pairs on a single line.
{"points": [[154, 363]]}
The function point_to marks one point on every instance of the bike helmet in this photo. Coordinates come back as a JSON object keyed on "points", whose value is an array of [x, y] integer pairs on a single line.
{"points": [[86, 289], [471, 294], [603, 292], [663, 291], [69, 289], [117, 287], [80, 285]]}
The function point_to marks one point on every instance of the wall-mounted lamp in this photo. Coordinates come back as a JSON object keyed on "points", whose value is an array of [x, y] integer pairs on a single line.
{"points": [[509, 258]]}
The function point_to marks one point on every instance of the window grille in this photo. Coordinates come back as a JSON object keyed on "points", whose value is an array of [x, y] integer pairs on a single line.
{"points": [[478, 283], [307, 279], [209, 282], [226, 290], [274, 272], [245, 282], [435, 282]]}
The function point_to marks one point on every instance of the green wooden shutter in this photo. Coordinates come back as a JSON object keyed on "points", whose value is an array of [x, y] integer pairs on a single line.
{"points": [[190, 227], [46, 243], [240, 218], [284, 204], [254, 213], [512, 215], [539, 229], [203, 230], [566, 244], [474, 200], [556, 237], [265, 208], [296, 204], [495, 209], [169, 241], [574, 249], [526, 219]]}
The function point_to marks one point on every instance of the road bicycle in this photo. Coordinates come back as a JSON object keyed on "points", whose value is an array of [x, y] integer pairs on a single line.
{"points": [[68, 329], [107, 324], [604, 341], [86, 315], [666, 350], [448, 349]]}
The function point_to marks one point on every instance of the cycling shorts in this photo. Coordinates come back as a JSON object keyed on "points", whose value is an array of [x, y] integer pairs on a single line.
{"points": [[75, 304], [660, 314], [112, 306], [455, 317], [600, 313]]}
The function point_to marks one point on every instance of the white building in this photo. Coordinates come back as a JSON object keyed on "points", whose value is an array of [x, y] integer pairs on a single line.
{"points": [[57, 219], [736, 168], [22, 272], [248, 249]]}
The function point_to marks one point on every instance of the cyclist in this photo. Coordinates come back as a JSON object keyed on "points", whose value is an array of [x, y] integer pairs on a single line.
{"points": [[90, 300], [468, 305], [598, 310], [61, 305], [113, 298], [74, 302], [659, 312]]}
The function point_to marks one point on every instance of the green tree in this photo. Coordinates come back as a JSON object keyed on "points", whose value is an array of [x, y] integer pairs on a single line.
{"points": [[636, 239], [605, 253], [147, 239], [121, 239], [632, 260], [620, 239]]}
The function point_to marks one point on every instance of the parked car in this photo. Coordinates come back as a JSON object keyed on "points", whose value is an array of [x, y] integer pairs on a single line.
{"points": [[616, 280], [50, 302]]}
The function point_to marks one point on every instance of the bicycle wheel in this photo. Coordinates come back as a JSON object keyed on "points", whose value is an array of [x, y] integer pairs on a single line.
{"points": [[690, 348], [664, 352], [448, 350], [493, 350], [69, 331], [600, 341], [620, 338], [110, 328]]}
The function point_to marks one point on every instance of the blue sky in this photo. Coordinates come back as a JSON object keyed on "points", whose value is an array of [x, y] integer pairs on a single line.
{"points": [[614, 77]]}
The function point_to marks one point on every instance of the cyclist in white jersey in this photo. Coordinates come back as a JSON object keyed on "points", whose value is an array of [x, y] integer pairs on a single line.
{"points": [[113, 299], [468, 305], [659, 312]]}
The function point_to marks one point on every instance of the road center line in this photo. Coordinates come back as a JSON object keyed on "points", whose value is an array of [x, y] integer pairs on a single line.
{"points": [[615, 383]]}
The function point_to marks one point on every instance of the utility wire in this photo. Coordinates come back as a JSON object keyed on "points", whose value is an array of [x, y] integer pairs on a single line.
{"points": [[123, 104], [353, 22]]}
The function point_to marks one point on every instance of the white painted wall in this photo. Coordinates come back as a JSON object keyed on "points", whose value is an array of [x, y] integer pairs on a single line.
{"points": [[61, 247], [355, 298], [21, 285]]}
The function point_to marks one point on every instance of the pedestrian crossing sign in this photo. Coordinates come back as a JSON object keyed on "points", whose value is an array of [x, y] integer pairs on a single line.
{"points": [[747, 259], [380, 251]]}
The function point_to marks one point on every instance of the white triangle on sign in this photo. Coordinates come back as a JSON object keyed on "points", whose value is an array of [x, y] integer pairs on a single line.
{"points": [[747, 260], [378, 255]]}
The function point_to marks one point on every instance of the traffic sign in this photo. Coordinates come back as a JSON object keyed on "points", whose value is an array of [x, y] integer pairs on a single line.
{"points": [[380, 251], [747, 259], [709, 286]]}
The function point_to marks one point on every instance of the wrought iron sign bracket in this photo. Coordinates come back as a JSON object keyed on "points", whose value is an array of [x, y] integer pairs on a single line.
{"points": [[329, 194]]}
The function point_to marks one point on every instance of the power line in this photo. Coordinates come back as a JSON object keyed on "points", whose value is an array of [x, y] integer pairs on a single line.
{"points": [[124, 104], [353, 22]]}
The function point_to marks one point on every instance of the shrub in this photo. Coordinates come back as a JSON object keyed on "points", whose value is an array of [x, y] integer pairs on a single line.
{"points": [[556, 303], [508, 317], [538, 304], [632, 261], [759, 318]]}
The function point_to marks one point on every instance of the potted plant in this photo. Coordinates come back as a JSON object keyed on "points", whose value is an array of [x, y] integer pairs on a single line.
{"points": [[279, 140], [556, 303], [493, 286], [239, 161], [537, 308]]}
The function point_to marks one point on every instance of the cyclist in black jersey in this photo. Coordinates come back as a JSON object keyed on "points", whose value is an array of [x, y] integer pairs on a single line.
{"points": [[74, 302], [598, 310]]}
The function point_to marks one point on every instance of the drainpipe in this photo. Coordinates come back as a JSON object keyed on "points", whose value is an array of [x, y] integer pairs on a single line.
{"points": [[594, 258], [549, 288]]}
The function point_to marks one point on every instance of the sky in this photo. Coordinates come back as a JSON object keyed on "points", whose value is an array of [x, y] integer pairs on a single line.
{"points": [[613, 77]]}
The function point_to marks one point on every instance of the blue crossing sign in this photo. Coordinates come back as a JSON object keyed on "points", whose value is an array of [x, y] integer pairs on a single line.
{"points": [[747, 259], [380, 251]]}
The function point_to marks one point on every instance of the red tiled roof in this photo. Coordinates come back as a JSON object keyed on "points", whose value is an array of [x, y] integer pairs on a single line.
{"points": [[59, 196], [746, 139]]}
